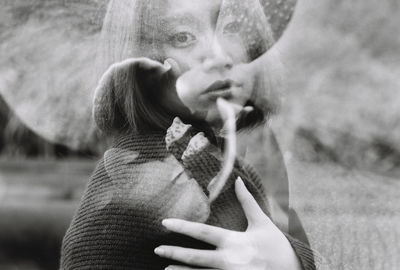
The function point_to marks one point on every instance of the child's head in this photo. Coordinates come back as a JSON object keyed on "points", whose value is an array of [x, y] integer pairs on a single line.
{"points": [[214, 33]]}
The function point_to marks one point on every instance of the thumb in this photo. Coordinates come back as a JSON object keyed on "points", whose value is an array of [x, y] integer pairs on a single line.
{"points": [[252, 210], [174, 67]]}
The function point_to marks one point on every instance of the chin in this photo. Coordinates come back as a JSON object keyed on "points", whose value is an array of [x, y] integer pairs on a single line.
{"points": [[213, 117]]}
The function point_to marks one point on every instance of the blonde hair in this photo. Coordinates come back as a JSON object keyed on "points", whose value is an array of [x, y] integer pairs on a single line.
{"points": [[130, 30]]}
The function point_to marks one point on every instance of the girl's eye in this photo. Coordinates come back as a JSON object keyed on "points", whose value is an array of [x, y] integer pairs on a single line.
{"points": [[232, 28], [182, 39]]}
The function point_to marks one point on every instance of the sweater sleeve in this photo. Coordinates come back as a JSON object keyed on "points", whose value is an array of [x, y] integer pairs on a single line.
{"points": [[309, 258], [118, 224]]}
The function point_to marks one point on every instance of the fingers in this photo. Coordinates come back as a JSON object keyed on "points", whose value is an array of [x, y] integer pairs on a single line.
{"points": [[175, 69], [177, 137], [154, 69], [250, 206], [203, 232], [148, 64], [238, 110], [202, 258], [179, 267], [142, 63], [197, 144]]}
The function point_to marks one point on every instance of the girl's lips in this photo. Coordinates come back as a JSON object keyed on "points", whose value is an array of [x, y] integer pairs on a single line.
{"points": [[223, 93], [221, 88], [220, 85]]}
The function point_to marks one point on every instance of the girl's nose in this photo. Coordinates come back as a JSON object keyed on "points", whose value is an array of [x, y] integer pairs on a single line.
{"points": [[216, 58]]}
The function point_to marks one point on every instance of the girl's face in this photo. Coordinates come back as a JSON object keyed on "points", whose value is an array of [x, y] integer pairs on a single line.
{"points": [[202, 38], [196, 33]]}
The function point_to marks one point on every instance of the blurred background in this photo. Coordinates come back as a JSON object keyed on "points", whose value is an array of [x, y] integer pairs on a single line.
{"points": [[339, 128]]}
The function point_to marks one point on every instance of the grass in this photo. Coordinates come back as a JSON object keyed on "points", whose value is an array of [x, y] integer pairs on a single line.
{"points": [[38, 199], [351, 217]]}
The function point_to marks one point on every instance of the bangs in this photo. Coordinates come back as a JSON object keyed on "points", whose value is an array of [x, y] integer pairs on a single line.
{"points": [[130, 29]]}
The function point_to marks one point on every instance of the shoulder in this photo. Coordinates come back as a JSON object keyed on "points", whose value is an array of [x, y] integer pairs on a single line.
{"points": [[125, 165], [136, 180]]}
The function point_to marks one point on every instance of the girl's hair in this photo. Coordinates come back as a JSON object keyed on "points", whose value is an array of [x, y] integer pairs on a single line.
{"points": [[132, 28]]}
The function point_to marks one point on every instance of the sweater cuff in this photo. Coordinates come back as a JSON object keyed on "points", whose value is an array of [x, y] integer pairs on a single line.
{"points": [[309, 259]]}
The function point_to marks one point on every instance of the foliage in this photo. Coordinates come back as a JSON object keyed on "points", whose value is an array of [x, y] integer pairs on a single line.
{"points": [[343, 85]]}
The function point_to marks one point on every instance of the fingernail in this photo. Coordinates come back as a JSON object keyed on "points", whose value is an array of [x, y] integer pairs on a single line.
{"points": [[167, 222], [167, 65], [239, 182], [248, 109], [159, 251]]}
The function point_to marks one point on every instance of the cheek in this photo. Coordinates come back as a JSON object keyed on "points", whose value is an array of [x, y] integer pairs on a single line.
{"points": [[184, 58], [237, 51]]}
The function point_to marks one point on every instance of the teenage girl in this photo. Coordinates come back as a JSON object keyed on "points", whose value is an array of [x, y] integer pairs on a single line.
{"points": [[147, 203]]}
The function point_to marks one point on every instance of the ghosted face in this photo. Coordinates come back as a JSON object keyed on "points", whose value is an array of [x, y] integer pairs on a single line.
{"points": [[196, 34], [207, 39], [214, 43]]}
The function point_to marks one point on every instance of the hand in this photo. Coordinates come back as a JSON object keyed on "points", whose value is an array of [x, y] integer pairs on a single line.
{"points": [[262, 246], [142, 72], [131, 77]]}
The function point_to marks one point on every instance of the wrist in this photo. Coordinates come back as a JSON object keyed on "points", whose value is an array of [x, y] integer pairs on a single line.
{"points": [[293, 261], [290, 260]]}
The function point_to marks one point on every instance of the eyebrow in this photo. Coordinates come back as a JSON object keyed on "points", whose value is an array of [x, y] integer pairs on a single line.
{"points": [[183, 18]]}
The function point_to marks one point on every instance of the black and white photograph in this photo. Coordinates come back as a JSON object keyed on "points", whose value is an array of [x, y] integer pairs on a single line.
{"points": [[199, 134]]}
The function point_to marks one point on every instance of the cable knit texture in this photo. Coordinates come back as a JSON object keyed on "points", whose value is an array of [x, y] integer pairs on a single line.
{"points": [[143, 179]]}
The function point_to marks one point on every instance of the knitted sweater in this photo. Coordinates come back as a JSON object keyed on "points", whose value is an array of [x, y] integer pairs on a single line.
{"points": [[140, 181]]}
